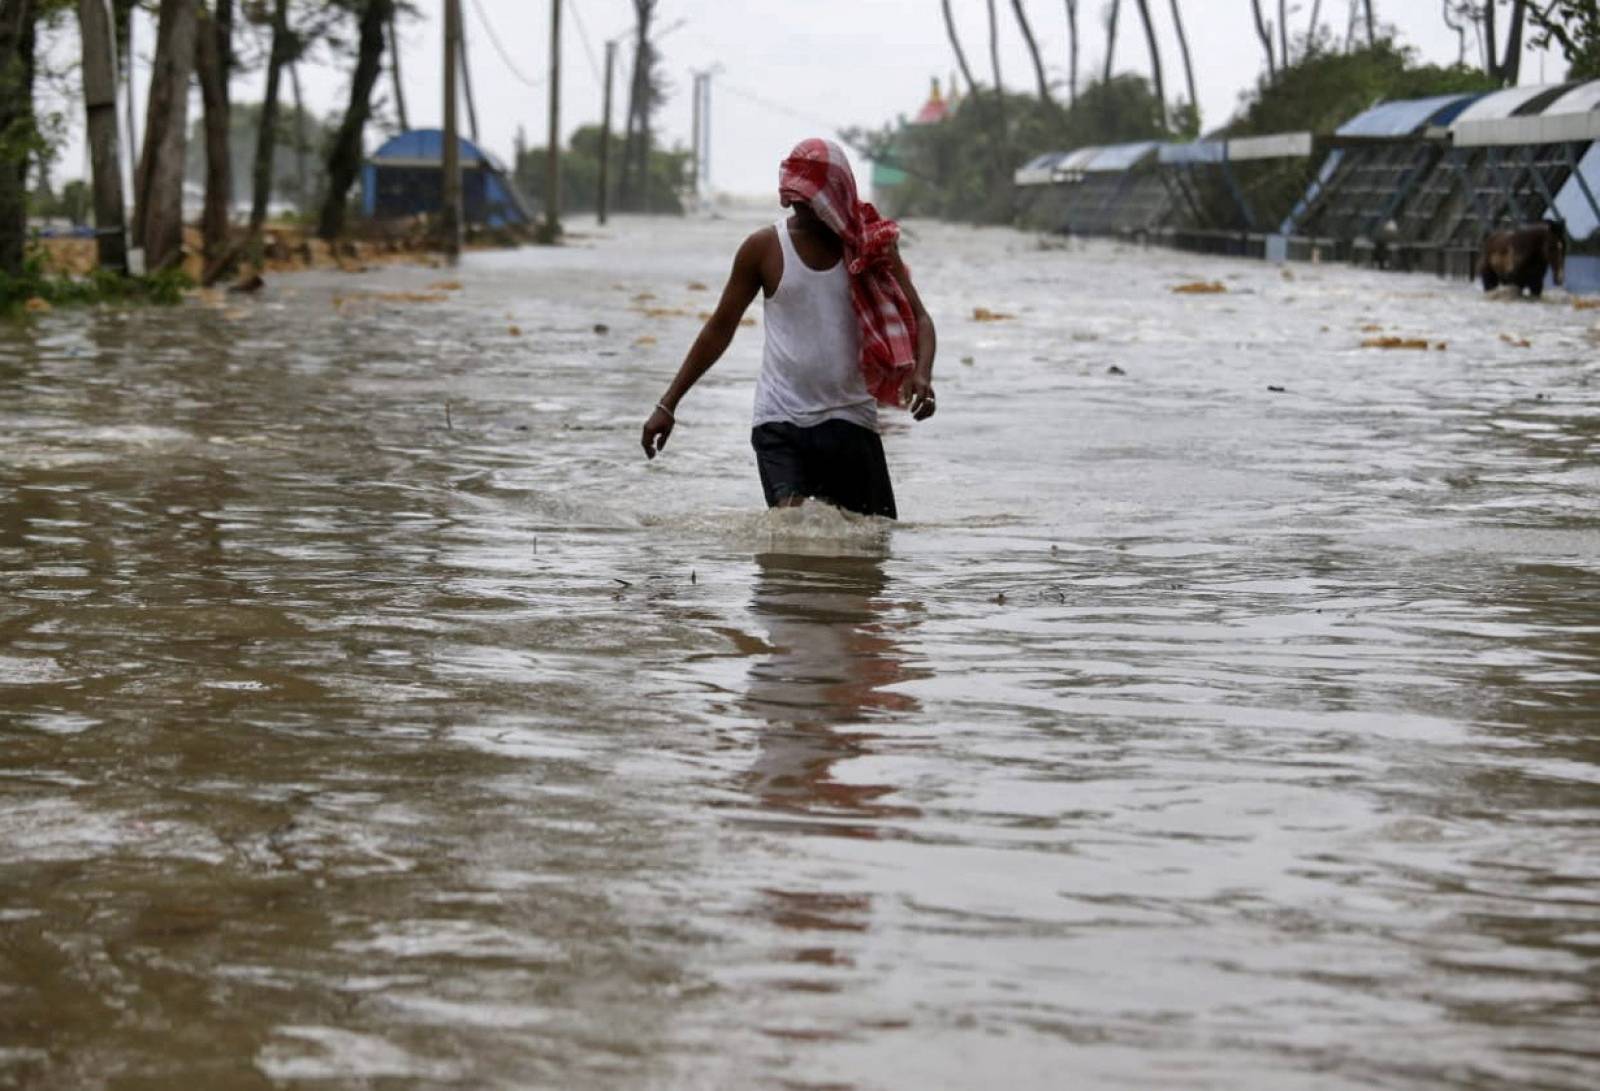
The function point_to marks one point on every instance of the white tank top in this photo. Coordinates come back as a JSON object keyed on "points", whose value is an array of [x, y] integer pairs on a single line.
{"points": [[811, 368]]}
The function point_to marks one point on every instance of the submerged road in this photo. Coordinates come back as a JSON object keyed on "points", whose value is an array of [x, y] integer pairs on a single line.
{"points": [[1223, 713]]}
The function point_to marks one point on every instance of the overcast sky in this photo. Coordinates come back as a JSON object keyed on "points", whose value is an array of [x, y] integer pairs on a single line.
{"points": [[792, 69]]}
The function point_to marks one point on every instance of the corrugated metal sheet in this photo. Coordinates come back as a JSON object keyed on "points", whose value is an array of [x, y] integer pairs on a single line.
{"points": [[1199, 152], [1571, 203], [1280, 146], [1120, 157], [1548, 129], [1402, 118], [1581, 99], [1501, 104]]}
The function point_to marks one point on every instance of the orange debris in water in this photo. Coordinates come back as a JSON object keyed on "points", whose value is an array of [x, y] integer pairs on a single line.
{"points": [[1201, 287]]}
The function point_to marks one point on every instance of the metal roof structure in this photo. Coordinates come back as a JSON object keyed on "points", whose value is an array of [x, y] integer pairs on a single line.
{"points": [[1406, 117], [1121, 157], [1499, 105]]}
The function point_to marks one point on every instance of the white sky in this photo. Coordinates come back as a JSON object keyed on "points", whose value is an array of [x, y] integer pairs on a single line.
{"points": [[793, 69]]}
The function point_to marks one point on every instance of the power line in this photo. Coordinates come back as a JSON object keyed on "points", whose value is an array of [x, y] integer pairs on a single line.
{"points": [[776, 107], [494, 40], [588, 47]]}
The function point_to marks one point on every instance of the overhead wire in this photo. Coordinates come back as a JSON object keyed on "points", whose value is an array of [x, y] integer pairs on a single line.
{"points": [[588, 46], [494, 40]]}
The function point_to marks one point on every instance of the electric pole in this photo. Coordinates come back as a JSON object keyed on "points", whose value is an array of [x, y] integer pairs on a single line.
{"points": [[450, 157], [699, 98], [552, 184], [605, 134], [100, 109]]}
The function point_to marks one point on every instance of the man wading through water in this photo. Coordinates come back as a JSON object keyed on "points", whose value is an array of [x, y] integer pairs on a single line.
{"points": [[846, 332]]}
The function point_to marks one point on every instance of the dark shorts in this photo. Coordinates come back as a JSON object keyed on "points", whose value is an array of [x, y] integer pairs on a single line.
{"points": [[835, 461]]}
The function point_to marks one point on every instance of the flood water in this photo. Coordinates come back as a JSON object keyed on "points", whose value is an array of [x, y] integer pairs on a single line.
{"points": [[375, 716]]}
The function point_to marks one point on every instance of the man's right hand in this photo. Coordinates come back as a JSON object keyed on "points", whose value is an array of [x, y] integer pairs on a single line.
{"points": [[656, 431]]}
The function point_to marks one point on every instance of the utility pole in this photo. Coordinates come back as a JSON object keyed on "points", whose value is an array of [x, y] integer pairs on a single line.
{"points": [[552, 183], [100, 109], [605, 134], [450, 158]]}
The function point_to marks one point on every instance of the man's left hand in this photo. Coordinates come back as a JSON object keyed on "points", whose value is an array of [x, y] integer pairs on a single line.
{"points": [[919, 396]]}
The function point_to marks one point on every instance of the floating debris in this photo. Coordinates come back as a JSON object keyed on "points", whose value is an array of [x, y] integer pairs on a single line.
{"points": [[446, 286], [389, 297], [1421, 344], [1115, 370], [644, 297], [1371, 328], [514, 331], [37, 305], [1516, 342], [602, 328], [1586, 304], [1201, 287], [1278, 389], [696, 286], [644, 341], [984, 314], [969, 360]]}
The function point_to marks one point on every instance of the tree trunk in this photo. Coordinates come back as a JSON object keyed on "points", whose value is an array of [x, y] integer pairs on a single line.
{"points": [[16, 128], [212, 56], [302, 183], [1264, 32], [955, 45], [1033, 52], [399, 84], [158, 190], [1283, 33], [1372, 27], [1155, 59], [636, 134], [994, 51], [466, 85], [1506, 70], [1188, 63], [283, 49], [1072, 35], [100, 122], [1111, 38], [344, 157]]}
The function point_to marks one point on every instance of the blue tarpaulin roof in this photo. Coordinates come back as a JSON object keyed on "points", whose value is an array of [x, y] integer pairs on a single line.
{"points": [[403, 178]]}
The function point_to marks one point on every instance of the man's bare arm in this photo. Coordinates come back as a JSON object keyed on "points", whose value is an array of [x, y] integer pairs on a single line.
{"points": [[918, 388], [715, 337]]}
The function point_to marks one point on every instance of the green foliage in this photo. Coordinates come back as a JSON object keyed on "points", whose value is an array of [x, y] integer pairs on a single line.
{"points": [[1574, 25], [101, 286], [1325, 89], [962, 167], [580, 174]]}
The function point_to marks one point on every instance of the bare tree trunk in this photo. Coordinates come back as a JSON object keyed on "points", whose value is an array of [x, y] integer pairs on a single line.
{"points": [[1155, 59], [100, 121], [994, 51], [1264, 32], [1033, 51], [1188, 63], [1372, 26], [1111, 38], [1506, 70], [283, 49], [399, 84], [955, 45], [213, 53], [158, 191], [303, 194], [1311, 28], [1283, 33], [344, 157], [634, 180], [1072, 34], [17, 43]]}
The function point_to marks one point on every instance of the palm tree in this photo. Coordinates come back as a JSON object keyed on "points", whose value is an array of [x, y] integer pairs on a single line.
{"points": [[1033, 51], [1188, 63], [1111, 37], [1264, 32], [961, 55], [1155, 59], [1072, 34], [994, 49]]}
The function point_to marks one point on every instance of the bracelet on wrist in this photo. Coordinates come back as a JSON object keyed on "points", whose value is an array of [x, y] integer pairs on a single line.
{"points": [[667, 411]]}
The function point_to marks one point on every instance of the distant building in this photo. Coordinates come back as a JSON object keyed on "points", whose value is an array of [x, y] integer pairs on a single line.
{"points": [[887, 173], [405, 178]]}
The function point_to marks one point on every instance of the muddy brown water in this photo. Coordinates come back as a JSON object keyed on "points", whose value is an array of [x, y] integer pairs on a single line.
{"points": [[374, 716]]}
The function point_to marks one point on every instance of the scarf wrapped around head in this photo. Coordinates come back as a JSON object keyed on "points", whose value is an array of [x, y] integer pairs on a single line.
{"points": [[818, 174]]}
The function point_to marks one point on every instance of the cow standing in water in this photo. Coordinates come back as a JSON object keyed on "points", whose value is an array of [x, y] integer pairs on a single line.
{"points": [[1521, 256]]}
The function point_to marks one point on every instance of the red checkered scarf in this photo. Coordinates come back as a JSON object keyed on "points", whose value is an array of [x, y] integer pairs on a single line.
{"points": [[818, 174]]}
